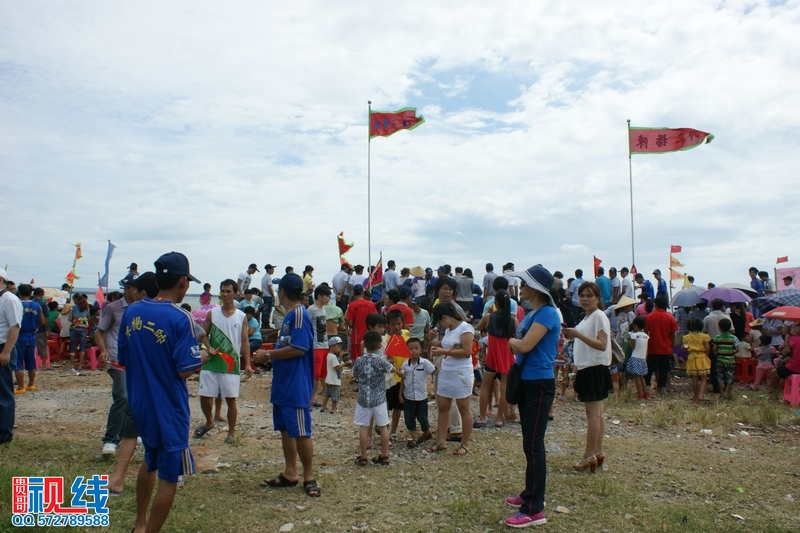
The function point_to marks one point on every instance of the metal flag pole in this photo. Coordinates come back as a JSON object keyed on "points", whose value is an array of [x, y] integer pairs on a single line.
{"points": [[369, 199], [670, 272], [630, 183]]}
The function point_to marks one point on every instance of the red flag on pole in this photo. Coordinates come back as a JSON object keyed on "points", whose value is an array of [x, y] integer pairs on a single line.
{"points": [[596, 265], [344, 247], [385, 123], [662, 140], [784, 259], [633, 270], [675, 249], [397, 347], [376, 276]]}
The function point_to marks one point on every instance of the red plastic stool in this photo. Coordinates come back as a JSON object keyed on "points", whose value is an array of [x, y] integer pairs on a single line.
{"points": [[267, 346], [92, 353], [791, 390], [745, 370]]}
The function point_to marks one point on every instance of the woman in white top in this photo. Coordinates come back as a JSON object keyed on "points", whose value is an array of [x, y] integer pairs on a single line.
{"points": [[455, 376], [592, 353]]}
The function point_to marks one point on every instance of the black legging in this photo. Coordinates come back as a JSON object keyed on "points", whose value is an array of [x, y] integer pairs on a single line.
{"points": [[536, 399]]}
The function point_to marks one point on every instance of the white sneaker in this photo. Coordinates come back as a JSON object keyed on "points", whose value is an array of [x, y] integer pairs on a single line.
{"points": [[109, 448]]}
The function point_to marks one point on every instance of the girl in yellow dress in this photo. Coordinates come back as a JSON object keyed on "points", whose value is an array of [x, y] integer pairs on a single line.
{"points": [[698, 365]]}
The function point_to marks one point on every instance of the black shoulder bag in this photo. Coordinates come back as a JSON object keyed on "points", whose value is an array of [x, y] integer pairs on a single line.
{"points": [[514, 382]]}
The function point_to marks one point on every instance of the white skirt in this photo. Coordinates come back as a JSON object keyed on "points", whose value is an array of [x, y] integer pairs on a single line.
{"points": [[455, 384]]}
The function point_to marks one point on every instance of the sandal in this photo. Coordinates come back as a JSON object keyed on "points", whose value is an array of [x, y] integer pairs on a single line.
{"points": [[478, 425], [436, 448], [425, 436], [411, 443], [200, 431], [361, 461], [312, 489], [279, 482], [501, 424], [381, 460], [457, 451]]}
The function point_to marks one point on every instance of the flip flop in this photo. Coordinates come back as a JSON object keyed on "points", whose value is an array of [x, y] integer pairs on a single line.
{"points": [[200, 431], [478, 425], [279, 482], [501, 424]]}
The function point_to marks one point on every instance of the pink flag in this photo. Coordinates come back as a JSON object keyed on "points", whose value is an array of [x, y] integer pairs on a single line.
{"points": [[661, 140], [99, 297]]}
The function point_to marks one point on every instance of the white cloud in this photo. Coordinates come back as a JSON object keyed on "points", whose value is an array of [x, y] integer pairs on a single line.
{"points": [[574, 248], [237, 133]]}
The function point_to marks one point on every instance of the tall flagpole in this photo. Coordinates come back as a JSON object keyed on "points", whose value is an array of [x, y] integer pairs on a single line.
{"points": [[630, 183], [369, 198]]}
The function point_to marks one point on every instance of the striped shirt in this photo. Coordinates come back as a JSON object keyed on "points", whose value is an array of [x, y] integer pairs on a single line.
{"points": [[725, 345]]}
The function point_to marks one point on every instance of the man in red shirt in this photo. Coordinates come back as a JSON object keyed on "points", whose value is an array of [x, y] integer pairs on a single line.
{"points": [[356, 318], [400, 300], [661, 328]]}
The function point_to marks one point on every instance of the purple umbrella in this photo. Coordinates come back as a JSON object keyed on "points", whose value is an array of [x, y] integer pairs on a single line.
{"points": [[725, 294]]}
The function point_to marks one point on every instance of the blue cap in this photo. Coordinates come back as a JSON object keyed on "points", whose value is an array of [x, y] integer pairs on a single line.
{"points": [[174, 263], [429, 270], [415, 300], [291, 282], [129, 280], [358, 288], [440, 269], [405, 292]]}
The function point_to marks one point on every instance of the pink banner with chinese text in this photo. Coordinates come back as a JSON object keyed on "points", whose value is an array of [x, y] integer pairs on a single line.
{"points": [[661, 140]]}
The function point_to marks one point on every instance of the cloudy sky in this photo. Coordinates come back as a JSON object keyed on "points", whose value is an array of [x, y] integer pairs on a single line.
{"points": [[236, 132]]}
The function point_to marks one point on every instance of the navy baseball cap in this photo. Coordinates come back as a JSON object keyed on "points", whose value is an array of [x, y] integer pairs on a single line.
{"points": [[174, 263], [358, 288], [429, 270], [415, 300], [291, 282], [440, 269], [405, 292], [129, 280]]}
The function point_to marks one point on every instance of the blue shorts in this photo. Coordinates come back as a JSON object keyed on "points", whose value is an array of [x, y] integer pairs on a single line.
{"points": [[26, 358], [170, 465], [296, 421]]}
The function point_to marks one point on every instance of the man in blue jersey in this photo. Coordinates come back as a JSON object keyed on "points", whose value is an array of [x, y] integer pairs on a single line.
{"points": [[32, 318], [661, 285], [159, 350], [293, 386]]}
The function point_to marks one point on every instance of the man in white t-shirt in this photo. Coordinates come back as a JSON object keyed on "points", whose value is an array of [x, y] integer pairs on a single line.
{"points": [[625, 283], [358, 278], [10, 322], [341, 286], [513, 281], [616, 285], [243, 283], [268, 295]]}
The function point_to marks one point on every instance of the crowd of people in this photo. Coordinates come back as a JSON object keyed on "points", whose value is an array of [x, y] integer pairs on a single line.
{"points": [[414, 334]]}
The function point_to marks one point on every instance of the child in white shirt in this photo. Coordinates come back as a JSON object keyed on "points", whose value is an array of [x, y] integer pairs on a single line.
{"points": [[333, 381], [414, 392]]}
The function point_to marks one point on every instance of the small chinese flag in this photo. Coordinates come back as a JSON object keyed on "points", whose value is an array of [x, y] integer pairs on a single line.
{"points": [[784, 259], [597, 263], [397, 347], [633, 270], [385, 123], [675, 249], [674, 262]]}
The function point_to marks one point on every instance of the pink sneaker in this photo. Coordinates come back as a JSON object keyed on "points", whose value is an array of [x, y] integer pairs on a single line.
{"points": [[521, 520], [514, 501]]}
